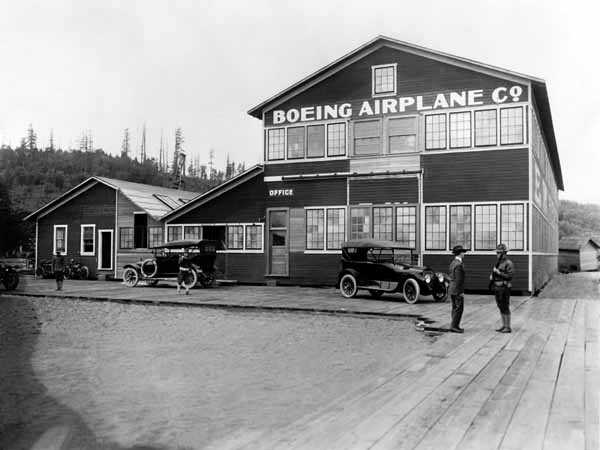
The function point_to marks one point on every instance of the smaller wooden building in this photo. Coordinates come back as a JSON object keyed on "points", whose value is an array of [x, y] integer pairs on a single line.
{"points": [[105, 223], [578, 254]]}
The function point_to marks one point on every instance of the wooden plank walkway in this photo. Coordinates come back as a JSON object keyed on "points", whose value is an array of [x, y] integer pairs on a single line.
{"points": [[537, 388]]}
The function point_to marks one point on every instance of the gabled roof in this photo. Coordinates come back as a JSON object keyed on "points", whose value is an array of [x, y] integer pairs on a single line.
{"points": [[154, 200], [575, 243], [215, 192], [538, 85]]}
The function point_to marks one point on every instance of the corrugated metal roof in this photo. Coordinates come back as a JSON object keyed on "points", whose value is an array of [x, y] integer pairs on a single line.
{"points": [[575, 243], [155, 200]]}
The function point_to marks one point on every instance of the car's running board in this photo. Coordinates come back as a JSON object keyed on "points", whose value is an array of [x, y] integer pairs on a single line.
{"points": [[376, 288]]}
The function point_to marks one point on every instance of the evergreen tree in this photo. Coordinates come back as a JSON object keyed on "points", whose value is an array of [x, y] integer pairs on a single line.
{"points": [[125, 144], [31, 139]]}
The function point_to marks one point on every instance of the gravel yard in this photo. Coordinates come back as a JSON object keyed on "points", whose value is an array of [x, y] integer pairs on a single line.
{"points": [[151, 377]]}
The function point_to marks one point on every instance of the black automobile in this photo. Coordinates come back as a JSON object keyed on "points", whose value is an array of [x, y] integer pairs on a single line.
{"points": [[382, 267], [164, 265]]}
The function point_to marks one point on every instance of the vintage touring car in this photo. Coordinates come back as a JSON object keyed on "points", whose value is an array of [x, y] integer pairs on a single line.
{"points": [[164, 265], [382, 267]]}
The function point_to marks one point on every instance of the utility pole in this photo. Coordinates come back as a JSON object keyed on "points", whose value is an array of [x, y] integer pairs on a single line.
{"points": [[161, 154]]}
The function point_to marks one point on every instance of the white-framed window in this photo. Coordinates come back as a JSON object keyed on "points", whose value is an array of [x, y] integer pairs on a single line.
{"points": [[360, 223], [367, 137], [511, 125], [315, 229], [486, 124], [336, 139], [383, 223], [254, 237], [486, 235], [325, 228], [295, 142], [435, 228], [126, 238], [155, 236], [87, 246], [275, 144], [435, 131], [512, 226], [384, 79], [60, 239], [406, 226], [336, 228], [402, 134], [460, 226], [316, 141], [235, 237], [174, 233], [192, 232], [460, 129]]}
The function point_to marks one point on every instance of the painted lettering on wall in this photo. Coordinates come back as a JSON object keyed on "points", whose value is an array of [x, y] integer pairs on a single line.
{"points": [[281, 192], [395, 105]]}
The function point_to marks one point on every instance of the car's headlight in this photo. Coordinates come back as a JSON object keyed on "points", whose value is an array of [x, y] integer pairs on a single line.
{"points": [[427, 278], [440, 277]]}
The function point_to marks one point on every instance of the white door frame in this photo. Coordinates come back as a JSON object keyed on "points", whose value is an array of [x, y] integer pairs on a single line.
{"points": [[112, 241]]}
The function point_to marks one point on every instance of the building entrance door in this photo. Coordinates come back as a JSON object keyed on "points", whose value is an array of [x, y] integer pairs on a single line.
{"points": [[278, 242], [105, 254]]}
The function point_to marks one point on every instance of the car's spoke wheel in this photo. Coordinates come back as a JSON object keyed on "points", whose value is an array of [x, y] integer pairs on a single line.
{"points": [[375, 293], [130, 277], [348, 286], [411, 291], [441, 294], [84, 272], [190, 280]]}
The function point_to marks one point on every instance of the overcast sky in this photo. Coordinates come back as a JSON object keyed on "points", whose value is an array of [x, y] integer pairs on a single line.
{"points": [[73, 66]]}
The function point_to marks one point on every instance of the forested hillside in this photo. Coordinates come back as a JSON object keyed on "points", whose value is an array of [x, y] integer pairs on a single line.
{"points": [[31, 177], [579, 219]]}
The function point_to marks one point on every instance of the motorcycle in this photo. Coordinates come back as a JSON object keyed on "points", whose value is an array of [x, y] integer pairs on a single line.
{"points": [[9, 277], [76, 271], [44, 269]]}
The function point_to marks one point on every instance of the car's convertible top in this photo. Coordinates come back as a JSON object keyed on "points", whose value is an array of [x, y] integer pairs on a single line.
{"points": [[187, 243], [372, 243]]}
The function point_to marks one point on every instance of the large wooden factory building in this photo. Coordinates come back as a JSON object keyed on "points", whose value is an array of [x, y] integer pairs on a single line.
{"points": [[396, 142]]}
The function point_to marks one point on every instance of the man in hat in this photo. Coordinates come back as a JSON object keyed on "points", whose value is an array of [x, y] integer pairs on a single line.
{"points": [[58, 267], [456, 289], [501, 276]]}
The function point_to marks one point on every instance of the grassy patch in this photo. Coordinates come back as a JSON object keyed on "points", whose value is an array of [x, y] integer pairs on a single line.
{"points": [[573, 285]]}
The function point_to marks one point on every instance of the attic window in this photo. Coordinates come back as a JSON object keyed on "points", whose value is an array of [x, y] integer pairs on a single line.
{"points": [[384, 79], [170, 202]]}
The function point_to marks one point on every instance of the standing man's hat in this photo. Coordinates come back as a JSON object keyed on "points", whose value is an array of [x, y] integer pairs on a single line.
{"points": [[501, 248], [458, 249]]}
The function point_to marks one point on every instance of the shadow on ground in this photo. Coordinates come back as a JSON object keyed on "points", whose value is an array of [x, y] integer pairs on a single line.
{"points": [[26, 410]]}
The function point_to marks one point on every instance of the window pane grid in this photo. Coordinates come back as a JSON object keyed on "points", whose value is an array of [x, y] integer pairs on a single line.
{"points": [[253, 237], [460, 130], [406, 226], [155, 236], [336, 139], [511, 125], [315, 224], [360, 220], [126, 237], [336, 228], [485, 127], [235, 237], [460, 226], [383, 223], [485, 227], [60, 239], [88, 239], [384, 79], [512, 226], [435, 228], [295, 142], [191, 232], [173, 234], [316, 141], [435, 131], [276, 143]]}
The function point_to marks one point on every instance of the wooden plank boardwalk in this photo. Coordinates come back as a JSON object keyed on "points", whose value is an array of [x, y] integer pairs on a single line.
{"points": [[536, 388]]}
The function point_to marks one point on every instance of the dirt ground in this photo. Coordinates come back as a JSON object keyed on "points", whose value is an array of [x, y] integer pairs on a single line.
{"points": [[147, 377]]}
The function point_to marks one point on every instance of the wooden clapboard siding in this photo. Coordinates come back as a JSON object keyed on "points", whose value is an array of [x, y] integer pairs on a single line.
{"points": [[543, 268], [388, 163], [416, 75], [325, 192], [381, 190], [479, 267], [126, 210], [588, 256], [313, 269], [297, 232], [476, 176], [93, 206], [306, 167], [243, 267], [244, 203], [545, 234]]}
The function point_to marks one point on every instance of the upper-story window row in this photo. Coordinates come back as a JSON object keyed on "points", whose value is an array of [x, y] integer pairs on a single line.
{"points": [[311, 141], [455, 130]]}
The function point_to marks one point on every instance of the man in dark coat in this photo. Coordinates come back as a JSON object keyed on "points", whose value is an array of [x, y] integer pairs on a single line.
{"points": [[58, 267], [501, 276], [185, 269], [456, 289]]}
